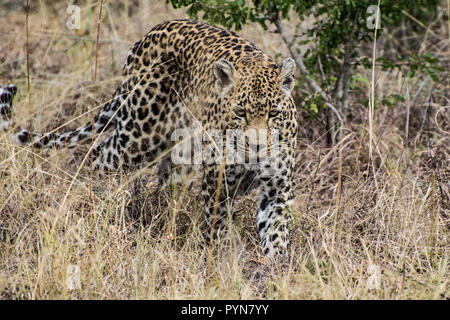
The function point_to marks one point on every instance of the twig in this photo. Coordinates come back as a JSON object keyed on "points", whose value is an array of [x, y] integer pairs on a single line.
{"points": [[313, 184]]}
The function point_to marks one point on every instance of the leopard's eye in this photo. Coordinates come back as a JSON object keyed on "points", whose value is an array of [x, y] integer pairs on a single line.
{"points": [[274, 113], [240, 112]]}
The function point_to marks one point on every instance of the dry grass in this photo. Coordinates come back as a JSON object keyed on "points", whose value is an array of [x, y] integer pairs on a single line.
{"points": [[389, 225]]}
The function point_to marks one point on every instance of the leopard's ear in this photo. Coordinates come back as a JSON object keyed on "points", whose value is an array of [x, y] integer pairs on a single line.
{"points": [[223, 72], [287, 75]]}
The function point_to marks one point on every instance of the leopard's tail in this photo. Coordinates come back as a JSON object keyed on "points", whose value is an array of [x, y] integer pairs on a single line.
{"points": [[102, 122]]}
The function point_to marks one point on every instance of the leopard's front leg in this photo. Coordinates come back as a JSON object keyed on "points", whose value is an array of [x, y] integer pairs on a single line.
{"points": [[275, 201]]}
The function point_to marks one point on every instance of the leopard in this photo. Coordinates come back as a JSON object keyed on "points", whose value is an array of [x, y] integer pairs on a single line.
{"points": [[183, 74], [7, 94]]}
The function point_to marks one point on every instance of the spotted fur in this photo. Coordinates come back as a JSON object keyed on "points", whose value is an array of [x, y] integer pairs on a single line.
{"points": [[184, 72], [7, 94]]}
